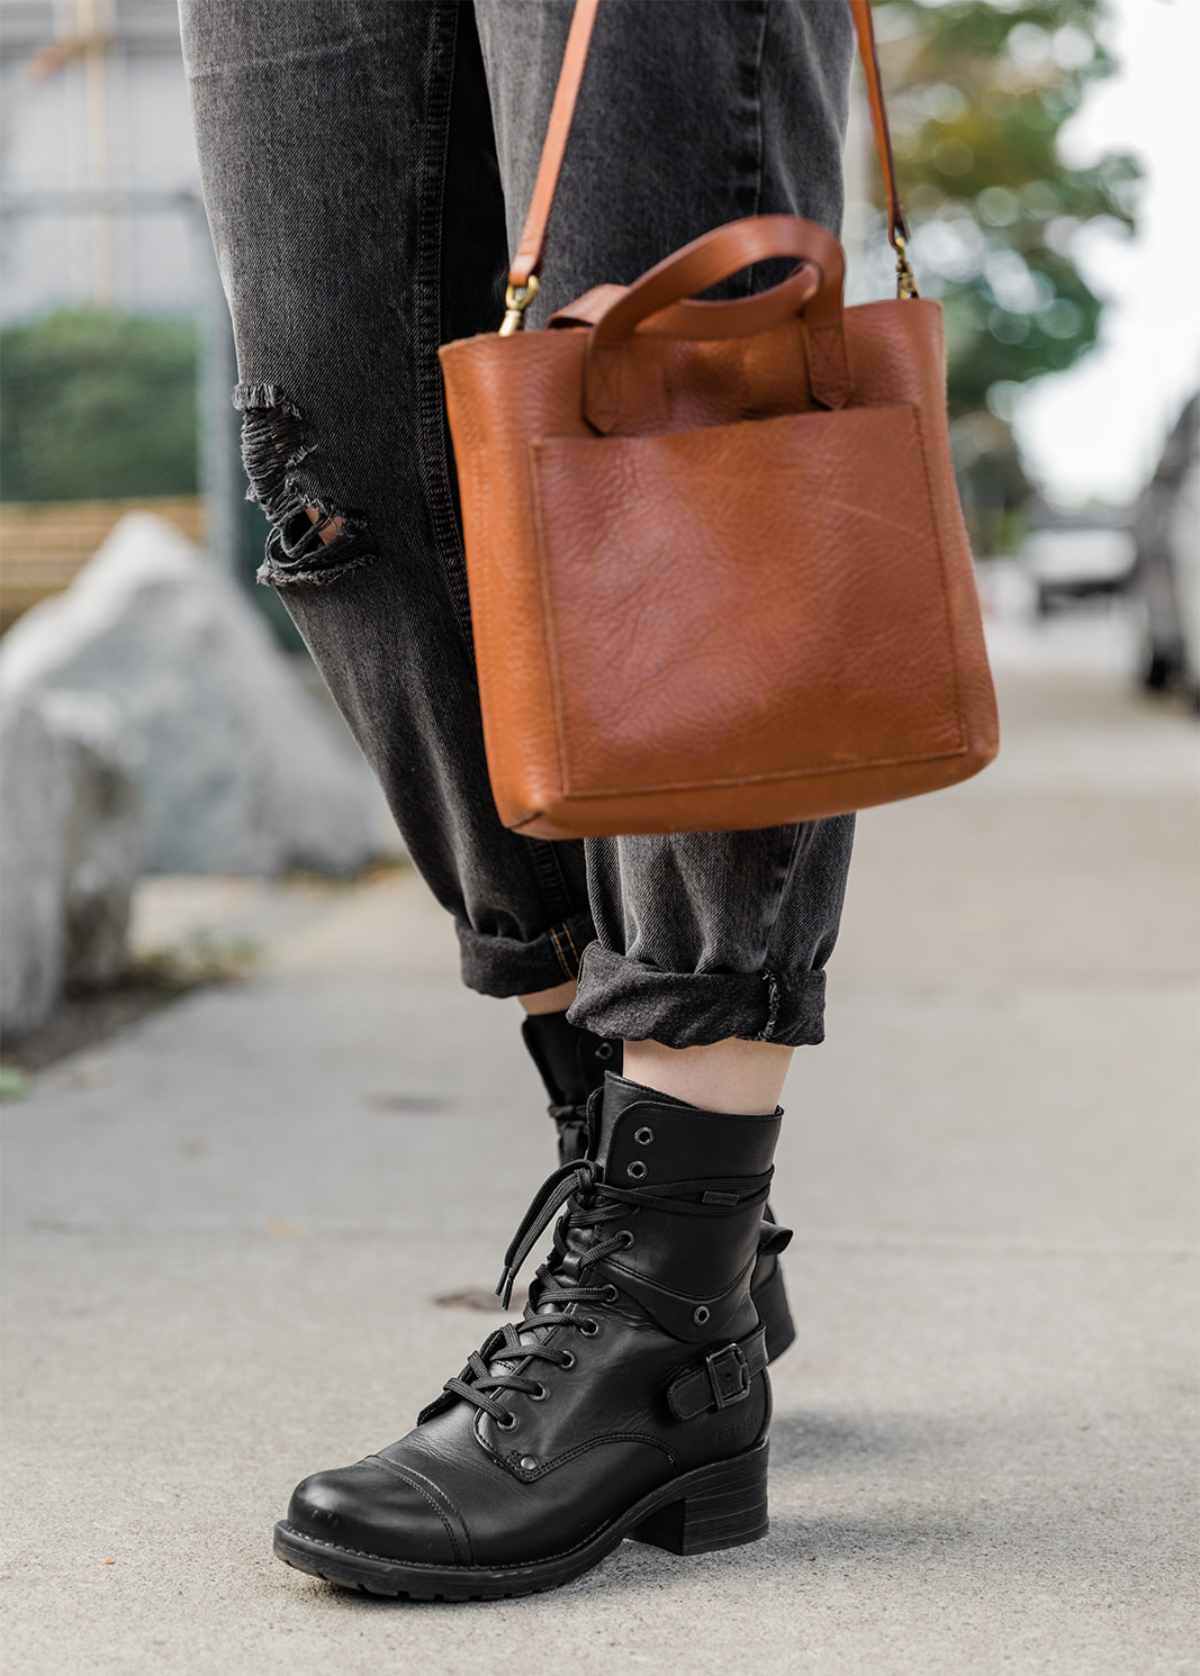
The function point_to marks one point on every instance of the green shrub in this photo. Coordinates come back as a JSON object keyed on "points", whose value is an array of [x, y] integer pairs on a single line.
{"points": [[97, 404]]}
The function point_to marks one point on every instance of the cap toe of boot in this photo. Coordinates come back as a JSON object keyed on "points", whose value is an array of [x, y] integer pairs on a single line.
{"points": [[375, 1508]]}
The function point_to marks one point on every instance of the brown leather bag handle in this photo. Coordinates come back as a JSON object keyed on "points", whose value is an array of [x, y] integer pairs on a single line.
{"points": [[739, 318], [814, 289], [527, 263]]}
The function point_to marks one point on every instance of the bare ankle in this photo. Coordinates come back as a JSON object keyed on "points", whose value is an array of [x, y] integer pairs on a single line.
{"points": [[731, 1076], [555, 1000]]}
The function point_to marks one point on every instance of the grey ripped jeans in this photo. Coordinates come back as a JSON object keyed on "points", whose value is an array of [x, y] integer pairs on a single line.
{"points": [[366, 164]]}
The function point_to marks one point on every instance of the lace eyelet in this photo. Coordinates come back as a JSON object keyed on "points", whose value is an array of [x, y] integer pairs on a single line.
{"points": [[589, 1328], [636, 1170], [568, 1361], [508, 1423], [539, 1395], [604, 1051], [643, 1136], [611, 1294], [626, 1237]]}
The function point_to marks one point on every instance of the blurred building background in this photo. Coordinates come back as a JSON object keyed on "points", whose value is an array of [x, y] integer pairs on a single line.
{"points": [[93, 103]]}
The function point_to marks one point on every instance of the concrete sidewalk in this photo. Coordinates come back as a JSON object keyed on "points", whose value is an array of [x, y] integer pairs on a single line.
{"points": [[225, 1232]]}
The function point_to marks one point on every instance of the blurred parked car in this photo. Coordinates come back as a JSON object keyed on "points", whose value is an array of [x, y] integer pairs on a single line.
{"points": [[1074, 554], [1166, 577]]}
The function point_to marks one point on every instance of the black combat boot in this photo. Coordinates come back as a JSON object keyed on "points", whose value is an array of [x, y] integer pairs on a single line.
{"points": [[631, 1399], [572, 1063]]}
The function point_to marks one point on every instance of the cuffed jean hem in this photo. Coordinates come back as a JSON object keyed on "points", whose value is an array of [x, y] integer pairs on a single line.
{"points": [[626, 999], [506, 966]]}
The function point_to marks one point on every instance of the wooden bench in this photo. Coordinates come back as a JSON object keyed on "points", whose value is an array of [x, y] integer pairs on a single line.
{"points": [[44, 545]]}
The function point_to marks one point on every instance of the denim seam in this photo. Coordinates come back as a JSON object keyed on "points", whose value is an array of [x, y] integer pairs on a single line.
{"points": [[547, 867], [497, 965], [431, 415], [769, 977], [562, 959], [300, 55], [427, 293], [755, 80]]}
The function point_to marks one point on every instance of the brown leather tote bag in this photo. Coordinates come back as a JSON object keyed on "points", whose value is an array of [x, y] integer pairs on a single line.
{"points": [[718, 571]]}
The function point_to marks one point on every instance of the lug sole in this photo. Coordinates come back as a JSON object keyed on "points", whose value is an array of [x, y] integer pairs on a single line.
{"points": [[770, 1300], [713, 1507]]}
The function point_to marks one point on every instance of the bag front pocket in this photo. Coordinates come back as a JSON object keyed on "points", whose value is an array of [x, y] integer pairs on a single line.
{"points": [[758, 601]]}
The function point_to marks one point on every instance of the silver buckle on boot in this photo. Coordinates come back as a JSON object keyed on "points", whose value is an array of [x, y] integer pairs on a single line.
{"points": [[729, 1375]]}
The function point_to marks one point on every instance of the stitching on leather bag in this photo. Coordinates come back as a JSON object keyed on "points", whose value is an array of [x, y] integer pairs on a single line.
{"points": [[772, 778], [479, 577], [937, 536], [536, 455], [605, 367], [829, 365]]}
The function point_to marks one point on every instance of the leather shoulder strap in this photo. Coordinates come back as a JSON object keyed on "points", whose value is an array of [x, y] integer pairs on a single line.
{"points": [[864, 28], [528, 260]]}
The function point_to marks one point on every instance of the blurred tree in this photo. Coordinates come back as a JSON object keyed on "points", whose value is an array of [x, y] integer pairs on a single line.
{"points": [[97, 405], [979, 96]]}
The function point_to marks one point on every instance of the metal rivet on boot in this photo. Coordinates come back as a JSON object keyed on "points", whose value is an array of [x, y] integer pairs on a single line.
{"points": [[528, 1463], [643, 1136], [701, 1314], [637, 1169]]}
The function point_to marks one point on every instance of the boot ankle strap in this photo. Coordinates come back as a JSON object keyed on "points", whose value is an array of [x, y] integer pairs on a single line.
{"points": [[723, 1379]]}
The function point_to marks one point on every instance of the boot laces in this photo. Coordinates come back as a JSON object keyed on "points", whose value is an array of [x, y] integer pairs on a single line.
{"points": [[504, 1361]]}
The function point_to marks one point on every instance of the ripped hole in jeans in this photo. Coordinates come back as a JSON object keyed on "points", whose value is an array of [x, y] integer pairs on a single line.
{"points": [[311, 542]]}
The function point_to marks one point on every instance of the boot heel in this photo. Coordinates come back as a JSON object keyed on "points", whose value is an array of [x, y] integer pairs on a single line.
{"points": [[725, 1505]]}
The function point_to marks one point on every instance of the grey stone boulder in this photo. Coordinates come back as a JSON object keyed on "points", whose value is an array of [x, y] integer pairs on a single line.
{"points": [[244, 769], [70, 853], [33, 815], [103, 836]]}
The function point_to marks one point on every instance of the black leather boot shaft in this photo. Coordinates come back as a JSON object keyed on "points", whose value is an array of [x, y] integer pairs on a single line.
{"points": [[702, 1179], [571, 1063]]}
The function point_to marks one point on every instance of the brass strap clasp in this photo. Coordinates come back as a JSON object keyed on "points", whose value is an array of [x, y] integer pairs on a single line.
{"points": [[517, 299], [906, 279]]}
